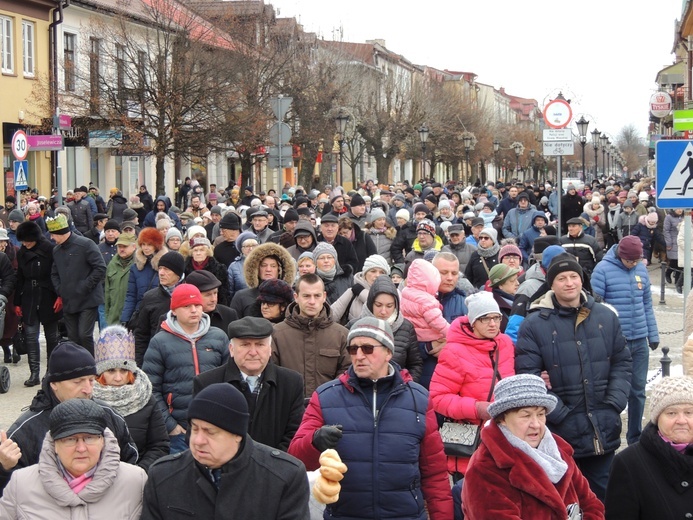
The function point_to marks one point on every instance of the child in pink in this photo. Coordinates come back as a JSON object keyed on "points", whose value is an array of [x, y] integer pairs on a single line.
{"points": [[419, 304]]}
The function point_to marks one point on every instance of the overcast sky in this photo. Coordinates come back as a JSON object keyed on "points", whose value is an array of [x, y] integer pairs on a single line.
{"points": [[603, 54]]}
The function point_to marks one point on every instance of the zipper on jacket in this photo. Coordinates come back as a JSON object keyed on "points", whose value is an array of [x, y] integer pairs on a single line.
{"points": [[375, 404]]}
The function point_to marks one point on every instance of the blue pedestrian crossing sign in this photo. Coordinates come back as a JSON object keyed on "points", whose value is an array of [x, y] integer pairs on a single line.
{"points": [[674, 160], [21, 172]]}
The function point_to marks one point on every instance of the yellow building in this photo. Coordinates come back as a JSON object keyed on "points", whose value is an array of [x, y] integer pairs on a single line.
{"points": [[24, 64]]}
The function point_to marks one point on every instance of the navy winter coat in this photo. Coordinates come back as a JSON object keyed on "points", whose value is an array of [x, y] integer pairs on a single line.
{"points": [[629, 291], [585, 354]]}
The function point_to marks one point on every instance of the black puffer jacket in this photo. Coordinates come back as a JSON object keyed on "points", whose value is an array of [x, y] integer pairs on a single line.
{"points": [[407, 354], [342, 281], [148, 430], [589, 365], [35, 293], [155, 303], [402, 243]]}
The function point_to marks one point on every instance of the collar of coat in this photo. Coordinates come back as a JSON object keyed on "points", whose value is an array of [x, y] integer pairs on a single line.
{"points": [[548, 305]]}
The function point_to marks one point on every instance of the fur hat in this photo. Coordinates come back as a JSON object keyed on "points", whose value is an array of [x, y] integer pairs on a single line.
{"points": [[28, 231], [115, 348], [150, 235], [520, 391], [275, 291], [371, 327], [251, 267]]}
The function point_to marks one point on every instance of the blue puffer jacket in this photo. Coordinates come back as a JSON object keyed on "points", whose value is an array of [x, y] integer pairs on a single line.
{"points": [[171, 366], [383, 481], [628, 290], [236, 278], [527, 239], [453, 304], [144, 275], [589, 365]]}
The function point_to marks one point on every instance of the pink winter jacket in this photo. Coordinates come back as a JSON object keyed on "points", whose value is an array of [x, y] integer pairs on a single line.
{"points": [[463, 375], [419, 304]]}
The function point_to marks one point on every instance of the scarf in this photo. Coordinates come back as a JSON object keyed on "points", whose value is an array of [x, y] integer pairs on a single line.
{"points": [[488, 251], [681, 448], [546, 455], [127, 399], [34, 216], [76, 484], [198, 266], [327, 276]]}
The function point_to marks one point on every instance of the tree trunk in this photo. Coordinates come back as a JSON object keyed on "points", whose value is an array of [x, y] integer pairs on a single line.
{"points": [[160, 178], [382, 167]]}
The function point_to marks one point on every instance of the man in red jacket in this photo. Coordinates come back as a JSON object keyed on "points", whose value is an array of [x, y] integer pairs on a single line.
{"points": [[381, 424]]}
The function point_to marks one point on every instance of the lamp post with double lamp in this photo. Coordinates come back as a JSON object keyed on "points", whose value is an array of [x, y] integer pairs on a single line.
{"points": [[582, 125], [595, 144], [496, 148], [518, 151], [603, 141], [609, 148], [467, 147], [423, 136], [341, 122]]}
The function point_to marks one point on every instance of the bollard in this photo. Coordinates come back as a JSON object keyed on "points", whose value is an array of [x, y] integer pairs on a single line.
{"points": [[662, 283], [665, 361]]}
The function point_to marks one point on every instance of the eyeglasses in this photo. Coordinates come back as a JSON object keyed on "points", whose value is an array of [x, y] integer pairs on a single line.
{"points": [[484, 238], [488, 319], [71, 442], [249, 246], [366, 349], [631, 262]]}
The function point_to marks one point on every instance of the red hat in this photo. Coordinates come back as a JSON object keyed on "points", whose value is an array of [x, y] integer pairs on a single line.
{"points": [[184, 295]]}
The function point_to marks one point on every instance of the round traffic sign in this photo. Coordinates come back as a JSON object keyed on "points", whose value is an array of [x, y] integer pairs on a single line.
{"points": [[20, 146], [558, 114]]}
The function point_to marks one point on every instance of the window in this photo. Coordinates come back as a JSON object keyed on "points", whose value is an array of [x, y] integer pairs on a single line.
{"points": [[6, 45], [69, 41], [28, 37]]}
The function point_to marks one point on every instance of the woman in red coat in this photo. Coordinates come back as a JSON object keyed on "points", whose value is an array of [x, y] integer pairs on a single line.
{"points": [[521, 470], [461, 384]]}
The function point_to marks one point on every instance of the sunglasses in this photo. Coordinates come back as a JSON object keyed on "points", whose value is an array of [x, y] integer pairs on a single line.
{"points": [[366, 349]]}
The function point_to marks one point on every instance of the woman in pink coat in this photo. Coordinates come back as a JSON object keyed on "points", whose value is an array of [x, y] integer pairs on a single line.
{"points": [[461, 383]]}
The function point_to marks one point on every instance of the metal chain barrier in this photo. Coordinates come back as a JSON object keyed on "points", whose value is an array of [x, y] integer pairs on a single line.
{"points": [[655, 375]]}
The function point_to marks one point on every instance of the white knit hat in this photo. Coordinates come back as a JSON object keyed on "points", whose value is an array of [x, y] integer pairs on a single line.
{"points": [[490, 232], [403, 213], [480, 304], [375, 261], [668, 392]]}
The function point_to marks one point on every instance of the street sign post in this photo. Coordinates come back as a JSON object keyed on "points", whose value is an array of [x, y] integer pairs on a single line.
{"points": [[280, 106], [674, 161], [559, 148], [20, 146], [557, 113], [557, 134], [21, 172]]}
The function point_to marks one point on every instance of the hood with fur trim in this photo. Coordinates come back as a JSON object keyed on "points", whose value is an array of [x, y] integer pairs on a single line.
{"points": [[141, 260], [257, 255]]}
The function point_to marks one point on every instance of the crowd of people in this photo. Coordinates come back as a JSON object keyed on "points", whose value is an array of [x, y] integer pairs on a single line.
{"points": [[243, 336]]}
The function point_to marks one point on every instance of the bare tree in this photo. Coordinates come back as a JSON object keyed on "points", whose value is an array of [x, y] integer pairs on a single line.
{"points": [[632, 147]]}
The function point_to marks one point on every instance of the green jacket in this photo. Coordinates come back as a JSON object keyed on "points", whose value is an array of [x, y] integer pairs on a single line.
{"points": [[117, 274]]}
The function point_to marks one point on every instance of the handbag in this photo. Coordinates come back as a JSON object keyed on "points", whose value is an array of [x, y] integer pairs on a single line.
{"points": [[19, 340], [462, 438]]}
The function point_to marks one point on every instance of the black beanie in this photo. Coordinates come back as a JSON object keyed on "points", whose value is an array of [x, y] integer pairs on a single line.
{"points": [[357, 200], [112, 224], [174, 261], [541, 243], [291, 215], [222, 405], [230, 221], [560, 264], [70, 361]]}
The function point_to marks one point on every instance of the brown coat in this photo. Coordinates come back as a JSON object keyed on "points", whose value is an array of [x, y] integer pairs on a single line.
{"points": [[315, 348]]}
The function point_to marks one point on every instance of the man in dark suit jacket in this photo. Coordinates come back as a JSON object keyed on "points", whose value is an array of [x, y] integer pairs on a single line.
{"points": [[274, 394]]}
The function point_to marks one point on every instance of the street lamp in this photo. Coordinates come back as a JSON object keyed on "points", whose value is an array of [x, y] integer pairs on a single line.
{"points": [[603, 140], [496, 148], [518, 151], [532, 153], [423, 135], [341, 121], [608, 158], [467, 146], [595, 143], [582, 125]]}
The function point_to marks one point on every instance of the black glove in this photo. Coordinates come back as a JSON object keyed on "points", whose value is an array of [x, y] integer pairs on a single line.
{"points": [[327, 437], [654, 345]]}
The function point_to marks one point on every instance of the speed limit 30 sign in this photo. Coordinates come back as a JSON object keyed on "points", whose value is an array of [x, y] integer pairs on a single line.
{"points": [[20, 146]]}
